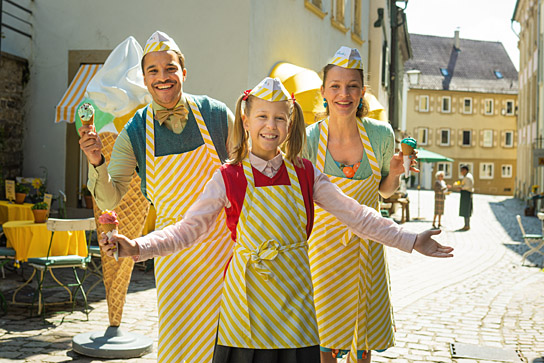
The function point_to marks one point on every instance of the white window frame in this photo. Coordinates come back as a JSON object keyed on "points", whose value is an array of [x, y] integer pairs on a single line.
{"points": [[464, 105], [463, 138], [508, 167], [421, 98], [490, 102], [489, 135], [511, 139], [442, 109], [448, 131], [512, 110], [470, 165], [487, 170], [423, 136], [446, 167]]}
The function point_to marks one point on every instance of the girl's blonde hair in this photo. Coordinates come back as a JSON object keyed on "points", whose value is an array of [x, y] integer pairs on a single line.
{"points": [[238, 140]]}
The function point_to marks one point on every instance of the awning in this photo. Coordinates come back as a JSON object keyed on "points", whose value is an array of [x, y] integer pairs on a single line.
{"points": [[66, 109], [427, 156]]}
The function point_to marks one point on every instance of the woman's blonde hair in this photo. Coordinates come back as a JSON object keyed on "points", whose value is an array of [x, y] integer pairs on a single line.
{"points": [[438, 173], [238, 141]]}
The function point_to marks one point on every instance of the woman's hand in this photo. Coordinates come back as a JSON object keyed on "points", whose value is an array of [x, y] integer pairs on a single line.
{"points": [[126, 246], [396, 165], [427, 246]]}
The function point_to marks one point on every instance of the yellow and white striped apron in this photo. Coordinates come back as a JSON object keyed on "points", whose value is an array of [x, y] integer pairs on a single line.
{"points": [[189, 282], [351, 282], [268, 296]]}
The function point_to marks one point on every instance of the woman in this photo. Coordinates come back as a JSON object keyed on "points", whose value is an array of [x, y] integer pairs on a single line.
{"points": [[351, 283], [440, 189]]}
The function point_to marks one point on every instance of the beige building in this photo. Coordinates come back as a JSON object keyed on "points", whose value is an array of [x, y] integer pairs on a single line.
{"points": [[461, 103], [530, 170], [229, 47]]}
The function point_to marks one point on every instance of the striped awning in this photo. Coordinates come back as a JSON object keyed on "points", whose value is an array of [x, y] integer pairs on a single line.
{"points": [[66, 109]]}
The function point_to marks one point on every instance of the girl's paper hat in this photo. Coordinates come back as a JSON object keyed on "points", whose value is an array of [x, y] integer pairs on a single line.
{"points": [[346, 57], [158, 42], [270, 89]]}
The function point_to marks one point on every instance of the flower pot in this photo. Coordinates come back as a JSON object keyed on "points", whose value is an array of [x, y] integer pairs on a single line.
{"points": [[40, 215], [88, 201], [20, 198]]}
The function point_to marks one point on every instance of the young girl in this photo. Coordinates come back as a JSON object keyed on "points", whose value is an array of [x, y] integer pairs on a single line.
{"points": [[267, 310]]}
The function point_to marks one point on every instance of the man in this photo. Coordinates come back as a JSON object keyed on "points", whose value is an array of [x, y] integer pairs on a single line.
{"points": [[175, 144], [467, 188]]}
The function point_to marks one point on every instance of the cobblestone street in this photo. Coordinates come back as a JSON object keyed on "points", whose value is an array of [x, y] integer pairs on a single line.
{"points": [[482, 296]]}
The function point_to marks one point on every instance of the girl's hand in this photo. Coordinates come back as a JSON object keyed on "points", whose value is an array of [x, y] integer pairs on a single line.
{"points": [[126, 246], [429, 247]]}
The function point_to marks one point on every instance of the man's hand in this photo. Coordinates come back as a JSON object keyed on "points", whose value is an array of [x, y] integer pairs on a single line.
{"points": [[91, 144]]}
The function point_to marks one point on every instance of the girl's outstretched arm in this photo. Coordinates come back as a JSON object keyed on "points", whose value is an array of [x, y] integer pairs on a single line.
{"points": [[196, 224]]}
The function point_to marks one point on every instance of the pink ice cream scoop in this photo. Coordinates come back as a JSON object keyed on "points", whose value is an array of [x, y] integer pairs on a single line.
{"points": [[108, 217]]}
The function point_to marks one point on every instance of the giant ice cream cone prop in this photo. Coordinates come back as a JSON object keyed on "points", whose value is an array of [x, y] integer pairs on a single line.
{"points": [[407, 145]]}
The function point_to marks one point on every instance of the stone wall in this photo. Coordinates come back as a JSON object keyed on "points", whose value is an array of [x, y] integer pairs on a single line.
{"points": [[14, 75]]}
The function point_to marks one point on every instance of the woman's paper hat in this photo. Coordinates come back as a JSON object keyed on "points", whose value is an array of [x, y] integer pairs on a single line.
{"points": [[270, 89], [158, 42], [346, 57]]}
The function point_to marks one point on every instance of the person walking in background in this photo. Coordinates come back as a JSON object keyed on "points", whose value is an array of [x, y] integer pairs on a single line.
{"points": [[440, 189], [352, 299], [467, 188]]}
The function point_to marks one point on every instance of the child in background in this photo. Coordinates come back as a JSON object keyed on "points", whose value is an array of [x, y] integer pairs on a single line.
{"points": [[267, 310]]}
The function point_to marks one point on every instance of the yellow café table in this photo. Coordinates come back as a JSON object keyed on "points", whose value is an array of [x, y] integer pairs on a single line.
{"points": [[30, 239], [15, 212]]}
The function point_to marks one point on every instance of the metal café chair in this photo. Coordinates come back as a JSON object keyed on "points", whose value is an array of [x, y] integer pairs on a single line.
{"points": [[535, 242], [49, 263]]}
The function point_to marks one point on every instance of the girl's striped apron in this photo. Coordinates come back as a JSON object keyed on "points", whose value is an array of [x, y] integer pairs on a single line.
{"points": [[268, 296], [189, 282], [350, 279]]}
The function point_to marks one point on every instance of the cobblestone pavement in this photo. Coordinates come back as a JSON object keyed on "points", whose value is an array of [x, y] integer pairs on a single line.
{"points": [[482, 296]]}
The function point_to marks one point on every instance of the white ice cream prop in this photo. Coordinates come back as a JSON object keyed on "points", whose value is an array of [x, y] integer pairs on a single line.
{"points": [[407, 145], [118, 87]]}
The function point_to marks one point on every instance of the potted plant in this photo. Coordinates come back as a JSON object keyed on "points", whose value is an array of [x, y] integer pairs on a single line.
{"points": [[40, 212], [21, 191], [86, 193]]}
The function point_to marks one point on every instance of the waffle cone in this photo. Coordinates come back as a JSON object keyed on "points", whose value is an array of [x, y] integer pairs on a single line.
{"points": [[406, 149], [131, 212], [108, 227], [89, 122]]}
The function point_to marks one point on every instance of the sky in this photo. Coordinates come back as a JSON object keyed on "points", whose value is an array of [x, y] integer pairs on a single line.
{"points": [[476, 19]]}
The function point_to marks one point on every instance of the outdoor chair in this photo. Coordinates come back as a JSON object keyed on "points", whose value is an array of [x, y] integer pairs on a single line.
{"points": [[49, 263], [534, 241], [6, 255]]}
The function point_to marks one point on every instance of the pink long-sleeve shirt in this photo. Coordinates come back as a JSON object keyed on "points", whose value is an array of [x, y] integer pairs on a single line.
{"points": [[202, 216]]}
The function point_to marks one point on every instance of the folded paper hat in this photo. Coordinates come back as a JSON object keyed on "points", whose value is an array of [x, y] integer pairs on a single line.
{"points": [[346, 57], [160, 41], [270, 89]]}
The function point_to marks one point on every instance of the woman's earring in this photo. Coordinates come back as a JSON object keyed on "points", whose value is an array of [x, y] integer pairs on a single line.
{"points": [[325, 104], [360, 104]]}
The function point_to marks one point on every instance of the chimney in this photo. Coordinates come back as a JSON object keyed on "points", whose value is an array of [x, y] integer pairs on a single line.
{"points": [[456, 41]]}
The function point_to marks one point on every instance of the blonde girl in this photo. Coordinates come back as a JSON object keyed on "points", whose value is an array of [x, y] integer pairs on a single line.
{"points": [[267, 310]]}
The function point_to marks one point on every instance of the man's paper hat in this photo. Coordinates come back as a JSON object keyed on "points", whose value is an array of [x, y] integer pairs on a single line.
{"points": [[270, 89], [160, 41], [346, 57]]}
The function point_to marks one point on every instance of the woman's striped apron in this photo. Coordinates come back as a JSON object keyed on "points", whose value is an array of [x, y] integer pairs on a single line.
{"points": [[268, 297], [350, 279], [189, 282]]}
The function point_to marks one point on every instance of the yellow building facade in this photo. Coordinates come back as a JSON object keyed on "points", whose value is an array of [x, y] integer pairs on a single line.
{"points": [[530, 170], [471, 119]]}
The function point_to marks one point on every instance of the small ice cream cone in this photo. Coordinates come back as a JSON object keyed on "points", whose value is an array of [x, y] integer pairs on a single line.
{"points": [[407, 145], [86, 114], [109, 223]]}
